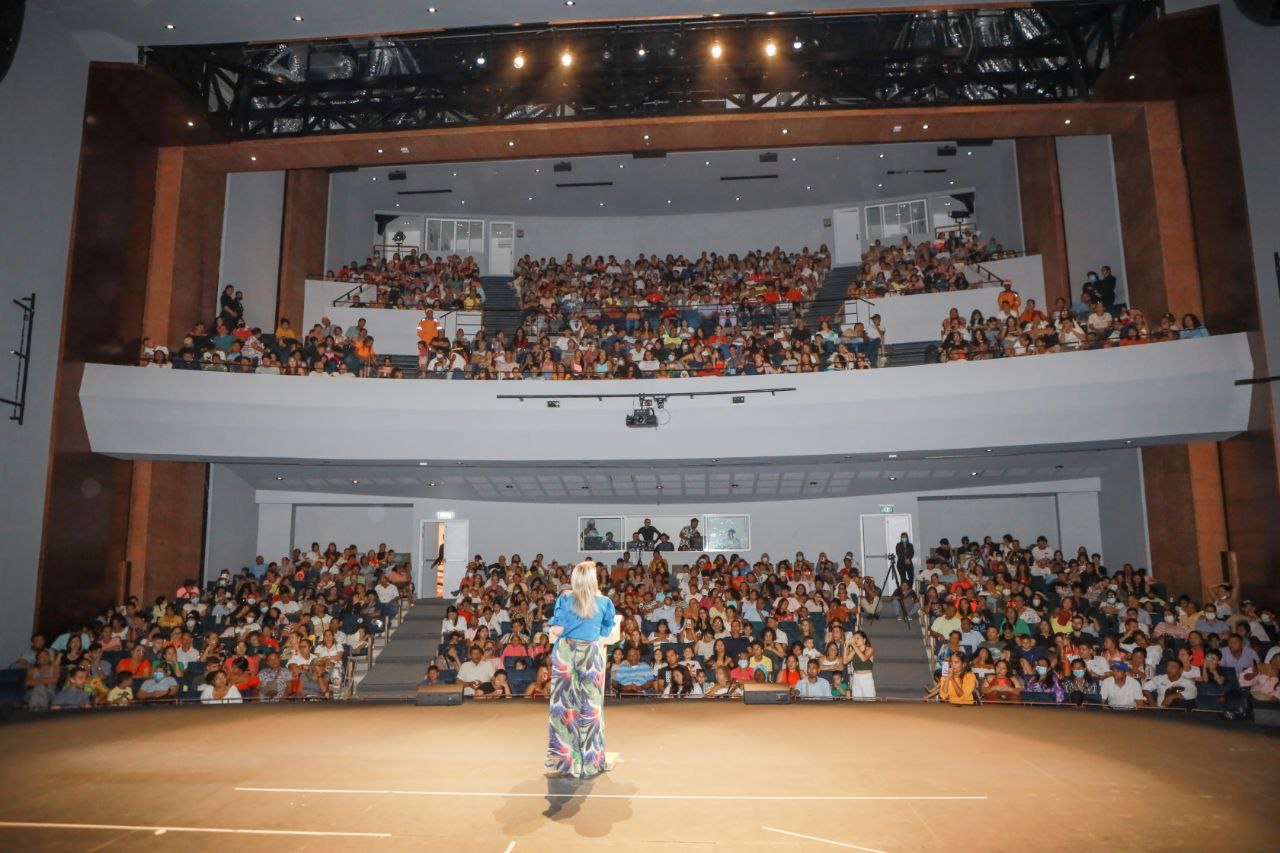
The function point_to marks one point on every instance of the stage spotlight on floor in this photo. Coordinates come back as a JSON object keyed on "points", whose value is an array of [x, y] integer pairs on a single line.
{"points": [[518, 62]]}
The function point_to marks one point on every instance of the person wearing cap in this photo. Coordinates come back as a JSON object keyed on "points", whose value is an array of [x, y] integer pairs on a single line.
{"points": [[1121, 691]]}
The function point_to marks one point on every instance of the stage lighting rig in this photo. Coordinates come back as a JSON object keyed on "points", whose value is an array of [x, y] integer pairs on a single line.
{"points": [[646, 414]]}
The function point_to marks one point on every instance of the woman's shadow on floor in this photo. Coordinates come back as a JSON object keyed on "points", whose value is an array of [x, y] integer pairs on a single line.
{"points": [[592, 806]]}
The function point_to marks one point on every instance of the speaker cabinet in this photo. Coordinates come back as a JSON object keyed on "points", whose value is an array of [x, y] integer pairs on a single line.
{"points": [[439, 694], [765, 694]]}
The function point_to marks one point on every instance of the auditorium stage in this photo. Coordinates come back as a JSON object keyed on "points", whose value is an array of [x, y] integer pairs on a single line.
{"points": [[692, 777]]}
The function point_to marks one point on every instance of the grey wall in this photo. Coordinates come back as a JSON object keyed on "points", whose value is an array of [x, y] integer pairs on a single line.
{"points": [[364, 526], [1253, 57], [1090, 209], [232, 522], [251, 242], [41, 106], [1024, 516], [636, 218]]}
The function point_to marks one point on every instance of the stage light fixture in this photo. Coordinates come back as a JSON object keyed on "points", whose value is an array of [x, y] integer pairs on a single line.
{"points": [[1133, 76], [771, 49], [785, 131], [924, 127], [297, 19], [646, 137], [797, 44], [640, 52], [1066, 121], [171, 26], [253, 157], [480, 59], [566, 59], [716, 51], [431, 10], [191, 123], [518, 62]]}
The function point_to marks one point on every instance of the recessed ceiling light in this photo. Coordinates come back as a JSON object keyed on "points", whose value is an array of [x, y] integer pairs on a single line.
{"points": [[785, 131], [793, 159], [1128, 441], [171, 26], [771, 13], [973, 473], [464, 201], [659, 485], [716, 50], [355, 482], [433, 484], [530, 198], [379, 150], [253, 157], [771, 49], [431, 10], [518, 61], [707, 163], [797, 44], [879, 185], [279, 477], [988, 449], [537, 170], [951, 183], [191, 123], [1133, 76], [511, 143], [602, 204], [808, 187], [566, 59], [737, 198], [455, 174], [622, 165], [641, 52], [297, 19], [480, 60], [424, 464], [668, 201], [646, 137], [397, 204], [375, 177], [893, 478], [969, 153], [568, 2], [881, 156], [1066, 121], [893, 456], [924, 127]]}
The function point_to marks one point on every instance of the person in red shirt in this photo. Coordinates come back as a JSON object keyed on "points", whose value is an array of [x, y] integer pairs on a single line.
{"points": [[136, 664]]}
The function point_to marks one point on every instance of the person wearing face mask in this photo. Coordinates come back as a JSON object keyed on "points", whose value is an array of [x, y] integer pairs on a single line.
{"points": [[1169, 626], [1080, 686], [905, 553], [1045, 681], [161, 685], [1210, 623]]}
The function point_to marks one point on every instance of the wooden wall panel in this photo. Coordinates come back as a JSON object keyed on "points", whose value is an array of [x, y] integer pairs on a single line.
{"points": [[302, 238], [1043, 226]]}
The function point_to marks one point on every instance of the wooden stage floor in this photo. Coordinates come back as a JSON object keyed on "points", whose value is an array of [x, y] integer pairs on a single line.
{"points": [[694, 777]]}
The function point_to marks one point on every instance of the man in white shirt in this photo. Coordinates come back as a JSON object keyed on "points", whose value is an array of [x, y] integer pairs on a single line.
{"points": [[1173, 688], [474, 672], [812, 686], [1041, 550], [943, 625], [1121, 691]]}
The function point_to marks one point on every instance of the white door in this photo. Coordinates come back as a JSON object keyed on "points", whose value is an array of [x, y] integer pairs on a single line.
{"points": [[879, 537], [457, 546], [847, 225], [502, 247]]}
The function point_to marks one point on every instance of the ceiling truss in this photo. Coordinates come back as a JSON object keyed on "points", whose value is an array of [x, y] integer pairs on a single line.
{"points": [[1042, 53]]}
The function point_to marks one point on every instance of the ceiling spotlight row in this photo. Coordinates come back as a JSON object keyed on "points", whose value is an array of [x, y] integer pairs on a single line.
{"points": [[717, 50]]}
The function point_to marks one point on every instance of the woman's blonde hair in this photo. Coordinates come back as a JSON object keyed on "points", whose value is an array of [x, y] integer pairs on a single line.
{"points": [[585, 588]]}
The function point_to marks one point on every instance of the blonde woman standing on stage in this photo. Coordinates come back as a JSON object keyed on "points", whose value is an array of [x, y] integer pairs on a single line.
{"points": [[583, 624]]}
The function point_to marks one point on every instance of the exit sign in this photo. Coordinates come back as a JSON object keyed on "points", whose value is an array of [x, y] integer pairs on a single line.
{"points": [[886, 508]]}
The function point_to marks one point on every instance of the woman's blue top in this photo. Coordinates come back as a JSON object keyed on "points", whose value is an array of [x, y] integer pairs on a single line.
{"points": [[578, 628]]}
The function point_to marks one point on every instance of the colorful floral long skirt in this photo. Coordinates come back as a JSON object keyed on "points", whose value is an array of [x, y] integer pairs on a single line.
{"points": [[576, 742]]}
